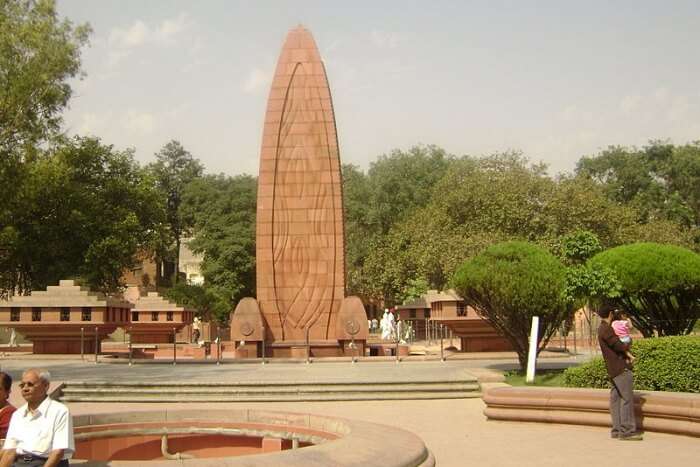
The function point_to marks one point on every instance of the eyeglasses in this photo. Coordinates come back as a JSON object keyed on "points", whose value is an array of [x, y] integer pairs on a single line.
{"points": [[27, 384]]}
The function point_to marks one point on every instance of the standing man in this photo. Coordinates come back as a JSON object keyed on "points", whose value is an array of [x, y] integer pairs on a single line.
{"points": [[624, 426], [41, 431]]}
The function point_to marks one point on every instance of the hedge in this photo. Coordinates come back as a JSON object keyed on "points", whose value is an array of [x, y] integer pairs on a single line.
{"points": [[663, 364]]}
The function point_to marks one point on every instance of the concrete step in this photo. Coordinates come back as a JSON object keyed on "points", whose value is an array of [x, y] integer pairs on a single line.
{"points": [[266, 391], [274, 397]]}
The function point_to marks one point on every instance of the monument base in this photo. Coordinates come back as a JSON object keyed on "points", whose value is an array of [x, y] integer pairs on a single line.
{"points": [[297, 349], [57, 338], [153, 333], [476, 334]]}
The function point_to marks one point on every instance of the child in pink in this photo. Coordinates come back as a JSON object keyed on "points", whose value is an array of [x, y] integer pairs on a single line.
{"points": [[621, 325]]}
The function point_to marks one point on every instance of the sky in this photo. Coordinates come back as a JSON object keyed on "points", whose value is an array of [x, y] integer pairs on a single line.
{"points": [[555, 80]]}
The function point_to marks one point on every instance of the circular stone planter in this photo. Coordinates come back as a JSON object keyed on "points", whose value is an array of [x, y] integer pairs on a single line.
{"points": [[241, 438]]}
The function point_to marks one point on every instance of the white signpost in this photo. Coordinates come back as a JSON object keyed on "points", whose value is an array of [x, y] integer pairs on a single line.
{"points": [[532, 351]]}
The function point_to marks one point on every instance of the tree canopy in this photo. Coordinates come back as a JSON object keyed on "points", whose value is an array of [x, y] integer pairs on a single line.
{"points": [[223, 213], [87, 210], [511, 282], [478, 202], [39, 53], [661, 180], [173, 170], [659, 286]]}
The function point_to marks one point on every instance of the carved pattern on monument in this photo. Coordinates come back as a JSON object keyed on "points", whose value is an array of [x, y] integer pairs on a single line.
{"points": [[300, 272]]}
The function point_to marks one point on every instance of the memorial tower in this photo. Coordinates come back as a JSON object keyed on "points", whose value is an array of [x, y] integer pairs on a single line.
{"points": [[300, 233]]}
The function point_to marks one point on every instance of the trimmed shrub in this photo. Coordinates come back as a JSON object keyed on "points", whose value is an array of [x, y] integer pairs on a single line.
{"points": [[667, 364], [663, 364], [591, 374], [659, 286], [511, 282]]}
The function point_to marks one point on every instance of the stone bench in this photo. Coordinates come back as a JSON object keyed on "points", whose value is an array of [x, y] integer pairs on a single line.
{"points": [[668, 412]]}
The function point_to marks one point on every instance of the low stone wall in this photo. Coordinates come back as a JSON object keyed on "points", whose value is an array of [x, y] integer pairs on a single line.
{"points": [[677, 413], [323, 441]]}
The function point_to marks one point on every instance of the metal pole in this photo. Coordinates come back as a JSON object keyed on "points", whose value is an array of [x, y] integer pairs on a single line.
{"points": [[426, 330], [263, 344], [396, 351], [130, 349], [82, 344], [96, 343], [590, 332], [308, 347], [442, 348], [174, 348], [218, 346], [352, 347]]}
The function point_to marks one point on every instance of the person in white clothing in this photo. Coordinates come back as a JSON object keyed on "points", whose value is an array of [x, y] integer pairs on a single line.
{"points": [[387, 325], [196, 329], [41, 431]]}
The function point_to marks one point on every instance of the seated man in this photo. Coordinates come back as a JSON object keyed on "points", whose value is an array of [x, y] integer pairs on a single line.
{"points": [[41, 431]]}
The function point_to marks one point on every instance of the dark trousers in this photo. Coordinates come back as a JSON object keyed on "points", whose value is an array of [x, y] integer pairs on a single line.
{"points": [[28, 460], [622, 405]]}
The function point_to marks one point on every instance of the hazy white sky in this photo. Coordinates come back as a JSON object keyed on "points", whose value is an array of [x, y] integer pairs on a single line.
{"points": [[554, 79]]}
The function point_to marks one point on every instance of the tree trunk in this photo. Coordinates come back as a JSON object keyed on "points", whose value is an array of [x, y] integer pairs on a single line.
{"points": [[177, 260]]}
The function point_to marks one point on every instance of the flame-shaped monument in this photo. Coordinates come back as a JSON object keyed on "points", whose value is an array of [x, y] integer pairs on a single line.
{"points": [[300, 232]]}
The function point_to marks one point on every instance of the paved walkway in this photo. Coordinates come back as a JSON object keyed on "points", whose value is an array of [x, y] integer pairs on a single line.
{"points": [[65, 369], [455, 430], [460, 436]]}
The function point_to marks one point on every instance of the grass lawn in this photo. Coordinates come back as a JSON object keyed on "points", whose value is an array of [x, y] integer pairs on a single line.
{"points": [[542, 378]]}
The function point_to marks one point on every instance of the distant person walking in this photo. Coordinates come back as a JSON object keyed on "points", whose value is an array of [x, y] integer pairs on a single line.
{"points": [[624, 426], [41, 431], [196, 331], [13, 338], [387, 325]]}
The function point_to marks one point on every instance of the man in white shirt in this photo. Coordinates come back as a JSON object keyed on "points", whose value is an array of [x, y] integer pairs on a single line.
{"points": [[41, 431]]}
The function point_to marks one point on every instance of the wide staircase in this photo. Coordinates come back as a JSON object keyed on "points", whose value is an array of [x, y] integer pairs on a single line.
{"points": [[270, 391]]}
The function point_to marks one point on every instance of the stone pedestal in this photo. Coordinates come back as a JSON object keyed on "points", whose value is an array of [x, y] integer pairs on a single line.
{"points": [[155, 320], [52, 319]]}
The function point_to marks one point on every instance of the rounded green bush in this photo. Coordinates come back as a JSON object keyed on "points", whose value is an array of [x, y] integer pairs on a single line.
{"points": [[511, 282], [591, 374], [663, 364], [667, 364], [660, 286]]}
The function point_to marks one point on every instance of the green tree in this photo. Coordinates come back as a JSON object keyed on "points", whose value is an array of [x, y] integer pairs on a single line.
{"points": [[659, 286], [223, 210], [39, 54], [87, 210], [661, 181], [479, 202], [174, 168], [393, 188], [206, 302], [414, 289], [511, 282], [402, 181], [577, 247]]}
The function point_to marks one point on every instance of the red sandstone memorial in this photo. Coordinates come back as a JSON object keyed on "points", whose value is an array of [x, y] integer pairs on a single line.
{"points": [[55, 318], [300, 230], [476, 334], [155, 319]]}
